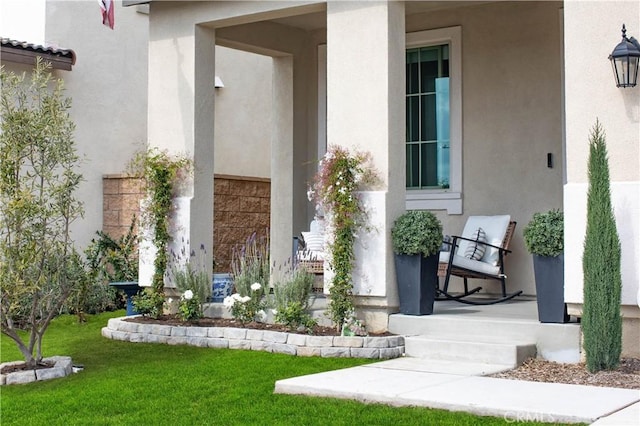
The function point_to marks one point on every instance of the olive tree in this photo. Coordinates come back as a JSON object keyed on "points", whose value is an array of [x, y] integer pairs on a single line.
{"points": [[39, 266]]}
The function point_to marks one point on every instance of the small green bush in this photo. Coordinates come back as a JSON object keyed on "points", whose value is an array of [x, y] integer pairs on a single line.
{"points": [[190, 308], [148, 303], [417, 232], [294, 315], [544, 234]]}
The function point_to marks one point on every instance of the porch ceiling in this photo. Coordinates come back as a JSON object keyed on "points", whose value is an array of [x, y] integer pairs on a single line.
{"points": [[318, 20]]}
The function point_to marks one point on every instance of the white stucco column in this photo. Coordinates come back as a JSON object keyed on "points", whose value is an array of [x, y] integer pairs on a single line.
{"points": [[181, 121], [366, 111], [282, 161]]}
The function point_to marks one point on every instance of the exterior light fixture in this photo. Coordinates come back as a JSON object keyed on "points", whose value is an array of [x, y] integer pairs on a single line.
{"points": [[624, 60]]}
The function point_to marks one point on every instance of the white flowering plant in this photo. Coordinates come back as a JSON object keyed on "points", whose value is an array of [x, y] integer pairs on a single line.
{"points": [[189, 307], [352, 326], [340, 176], [247, 308]]}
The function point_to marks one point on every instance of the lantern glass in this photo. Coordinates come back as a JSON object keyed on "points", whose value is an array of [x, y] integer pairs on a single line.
{"points": [[625, 70]]}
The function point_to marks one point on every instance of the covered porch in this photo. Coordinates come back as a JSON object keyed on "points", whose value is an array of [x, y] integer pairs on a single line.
{"points": [[339, 78], [521, 101], [339, 72]]}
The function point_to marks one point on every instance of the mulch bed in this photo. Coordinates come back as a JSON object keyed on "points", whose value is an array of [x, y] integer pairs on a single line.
{"points": [[627, 375], [8, 369], [224, 322]]}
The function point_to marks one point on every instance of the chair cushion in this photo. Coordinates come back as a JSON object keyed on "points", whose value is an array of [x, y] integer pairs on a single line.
{"points": [[313, 241], [473, 265], [310, 255], [495, 228], [317, 226], [475, 250]]}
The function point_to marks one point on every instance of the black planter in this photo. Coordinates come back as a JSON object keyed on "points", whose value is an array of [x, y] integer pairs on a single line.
{"points": [[549, 273], [417, 278]]}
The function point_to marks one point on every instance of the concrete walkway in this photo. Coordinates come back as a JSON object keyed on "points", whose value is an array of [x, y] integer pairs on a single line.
{"points": [[409, 382]]}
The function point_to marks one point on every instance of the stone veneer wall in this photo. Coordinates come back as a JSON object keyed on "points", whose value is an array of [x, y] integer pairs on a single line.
{"points": [[384, 347], [242, 207], [121, 195]]}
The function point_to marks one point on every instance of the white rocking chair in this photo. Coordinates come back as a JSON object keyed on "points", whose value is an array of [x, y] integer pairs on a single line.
{"points": [[478, 253]]}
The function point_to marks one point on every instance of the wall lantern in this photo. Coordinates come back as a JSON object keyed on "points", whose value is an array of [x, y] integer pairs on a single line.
{"points": [[624, 60]]}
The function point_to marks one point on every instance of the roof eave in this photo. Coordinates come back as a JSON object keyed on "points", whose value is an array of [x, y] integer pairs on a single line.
{"points": [[25, 56]]}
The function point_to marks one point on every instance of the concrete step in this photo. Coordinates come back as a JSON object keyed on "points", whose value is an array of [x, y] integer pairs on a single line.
{"points": [[472, 349], [554, 342], [442, 366]]}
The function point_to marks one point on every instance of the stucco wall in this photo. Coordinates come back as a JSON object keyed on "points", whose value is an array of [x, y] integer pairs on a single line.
{"points": [[243, 113], [591, 94], [109, 91], [512, 116]]}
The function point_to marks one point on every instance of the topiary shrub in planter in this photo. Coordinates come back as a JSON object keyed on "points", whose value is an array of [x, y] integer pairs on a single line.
{"points": [[544, 238], [416, 237]]}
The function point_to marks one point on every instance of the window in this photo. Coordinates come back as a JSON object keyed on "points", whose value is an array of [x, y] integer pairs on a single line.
{"points": [[428, 117], [433, 120]]}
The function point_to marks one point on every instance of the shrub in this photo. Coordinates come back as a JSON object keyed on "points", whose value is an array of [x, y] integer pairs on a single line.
{"points": [[601, 320], [148, 303], [247, 308], [544, 234], [250, 265], [189, 307], [417, 232], [291, 289], [191, 275], [107, 260], [295, 315]]}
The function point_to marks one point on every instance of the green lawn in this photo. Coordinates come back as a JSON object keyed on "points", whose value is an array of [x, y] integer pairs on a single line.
{"points": [[151, 384]]}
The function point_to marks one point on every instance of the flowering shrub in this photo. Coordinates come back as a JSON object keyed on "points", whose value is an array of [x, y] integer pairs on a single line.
{"points": [[339, 177], [246, 308], [189, 308]]}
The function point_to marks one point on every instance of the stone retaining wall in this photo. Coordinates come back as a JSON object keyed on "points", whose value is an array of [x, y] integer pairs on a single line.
{"points": [[62, 367], [257, 340]]}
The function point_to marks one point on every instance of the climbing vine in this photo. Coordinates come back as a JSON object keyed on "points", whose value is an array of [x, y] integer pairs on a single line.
{"points": [[341, 174], [161, 172]]}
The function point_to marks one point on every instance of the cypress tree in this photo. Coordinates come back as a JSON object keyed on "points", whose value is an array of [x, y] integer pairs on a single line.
{"points": [[601, 320]]}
